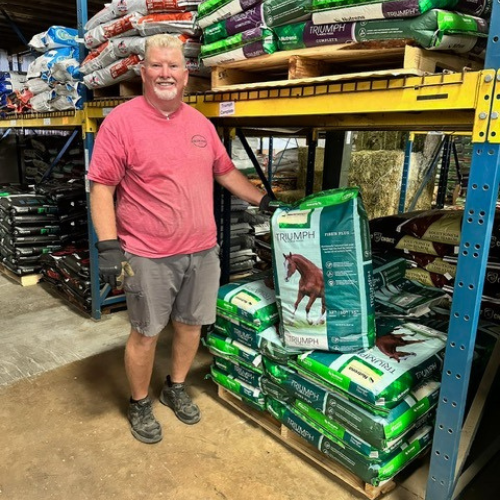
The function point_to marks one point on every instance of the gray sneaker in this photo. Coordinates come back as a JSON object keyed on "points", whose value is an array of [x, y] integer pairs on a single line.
{"points": [[144, 425], [174, 396]]}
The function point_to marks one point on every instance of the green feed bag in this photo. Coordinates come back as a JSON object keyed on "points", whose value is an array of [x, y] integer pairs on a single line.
{"points": [[385, 374], [323, 272], [436, 29], [250, 302], [370, 471], [380, 431]]}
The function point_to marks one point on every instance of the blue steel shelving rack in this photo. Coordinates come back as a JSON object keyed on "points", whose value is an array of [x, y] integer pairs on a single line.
{"points": [[100, 296], [482, 194]]}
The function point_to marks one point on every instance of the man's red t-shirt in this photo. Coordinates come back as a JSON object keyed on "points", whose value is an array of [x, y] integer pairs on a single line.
{"points": [[164, 172]]}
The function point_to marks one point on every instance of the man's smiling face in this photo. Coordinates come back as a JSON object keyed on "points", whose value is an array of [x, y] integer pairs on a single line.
{"points": [[164, 76]]}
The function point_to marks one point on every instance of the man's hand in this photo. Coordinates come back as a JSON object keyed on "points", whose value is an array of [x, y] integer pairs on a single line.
{"points": [[265, 206], [112, 263]]}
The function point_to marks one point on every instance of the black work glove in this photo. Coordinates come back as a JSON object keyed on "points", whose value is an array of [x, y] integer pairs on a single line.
{"points": [[112, 263], [265, 206]]}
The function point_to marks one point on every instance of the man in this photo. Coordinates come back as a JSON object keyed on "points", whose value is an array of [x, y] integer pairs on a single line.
{"points": [[159, 157]]}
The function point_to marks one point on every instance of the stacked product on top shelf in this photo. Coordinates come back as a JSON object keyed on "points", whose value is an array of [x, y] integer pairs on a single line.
{"points": [[338, 22], [235, 31], [429, 241], [116, 38], [53, 80]]}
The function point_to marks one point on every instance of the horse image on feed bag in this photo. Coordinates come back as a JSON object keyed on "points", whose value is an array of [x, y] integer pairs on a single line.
{"points": [[323, 272], [311, 283]]}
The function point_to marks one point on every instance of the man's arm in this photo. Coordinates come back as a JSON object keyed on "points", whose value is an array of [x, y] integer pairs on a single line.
{"points": [[240, 186], [102, 209]]}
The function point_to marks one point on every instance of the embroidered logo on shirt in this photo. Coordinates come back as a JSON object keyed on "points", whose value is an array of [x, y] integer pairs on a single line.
{"points": [[199, 141]]}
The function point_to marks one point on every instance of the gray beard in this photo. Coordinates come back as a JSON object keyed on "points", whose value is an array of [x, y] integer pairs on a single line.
{"points": [[166, 95]]}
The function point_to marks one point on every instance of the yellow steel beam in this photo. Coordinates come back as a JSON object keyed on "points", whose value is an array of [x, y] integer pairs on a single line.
{"points": [[458, 91], [45, 120], [425, 121], [437, 102], [100, 109], [433, 120]]}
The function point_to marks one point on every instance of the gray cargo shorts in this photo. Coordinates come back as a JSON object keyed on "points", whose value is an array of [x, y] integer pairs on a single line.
{"points": [[181, 287]]}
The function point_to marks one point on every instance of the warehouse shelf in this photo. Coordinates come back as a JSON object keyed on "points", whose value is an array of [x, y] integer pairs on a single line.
{"points": [[412, 103], [59, 119]]}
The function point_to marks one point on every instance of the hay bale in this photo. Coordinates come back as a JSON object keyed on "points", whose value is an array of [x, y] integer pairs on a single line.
{"points": [[377, 141], [318, 169], [290, 196], [379, 175]]}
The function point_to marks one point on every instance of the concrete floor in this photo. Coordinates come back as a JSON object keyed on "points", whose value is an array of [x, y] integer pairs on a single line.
{"points": [[64, 434]]}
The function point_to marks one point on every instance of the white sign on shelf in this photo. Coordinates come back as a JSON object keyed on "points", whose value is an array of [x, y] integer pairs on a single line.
{"points": [[46, 121], [227, 108]]}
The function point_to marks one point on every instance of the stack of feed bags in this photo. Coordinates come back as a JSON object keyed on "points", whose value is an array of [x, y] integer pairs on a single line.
{"points": [[449, 25], [243, 29], [429, 241], [68, 270], [53, 79], [117, 34], [373, 442], [40, 153], [28, 228], [362, 397], [241, 253], [244, 334]]}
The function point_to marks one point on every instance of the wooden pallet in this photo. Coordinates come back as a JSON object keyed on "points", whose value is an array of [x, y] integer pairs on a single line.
{"points": [[336, 62], [132, 88], [111, 308], [27, 280], [304, 449]]}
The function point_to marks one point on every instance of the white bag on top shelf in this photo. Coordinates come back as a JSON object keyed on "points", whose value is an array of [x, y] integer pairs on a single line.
{"points": [[116, 72], [112, 50], [55, 37], [125, 26]]}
